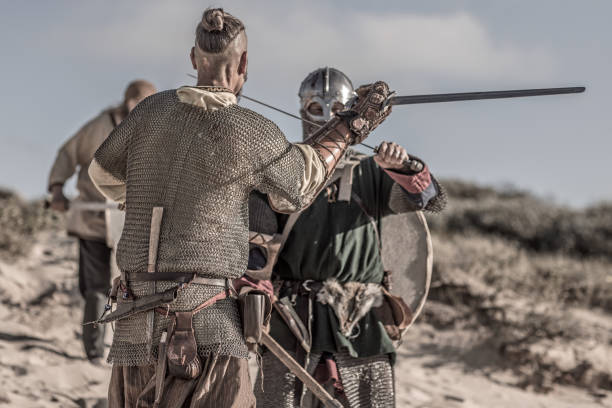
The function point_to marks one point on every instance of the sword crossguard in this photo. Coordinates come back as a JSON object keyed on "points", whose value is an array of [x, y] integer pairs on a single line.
{"points": [[389, 99]]}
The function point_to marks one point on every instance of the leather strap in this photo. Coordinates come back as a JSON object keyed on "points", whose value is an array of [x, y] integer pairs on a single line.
{"points": [[160, 369], [180, 277], [287, 312], [219, 296], [200, 280], [288, 227]]}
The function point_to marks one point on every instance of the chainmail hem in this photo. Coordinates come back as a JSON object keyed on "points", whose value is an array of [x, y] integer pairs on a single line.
{"points": [[438, 203], [367, 382], [217, 329]]}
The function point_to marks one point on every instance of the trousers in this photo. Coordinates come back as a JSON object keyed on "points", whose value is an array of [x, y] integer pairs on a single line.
{"points": [[224, 383], [94, 284]]}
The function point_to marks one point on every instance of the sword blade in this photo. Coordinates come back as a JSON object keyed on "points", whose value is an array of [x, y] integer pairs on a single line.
{"points": [[471, 96]]}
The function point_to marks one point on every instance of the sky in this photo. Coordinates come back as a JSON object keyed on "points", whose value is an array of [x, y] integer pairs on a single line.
{"points": [[64, 61]]}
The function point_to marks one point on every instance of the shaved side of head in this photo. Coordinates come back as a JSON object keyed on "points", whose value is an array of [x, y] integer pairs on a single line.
{"points": [[220, 51]]}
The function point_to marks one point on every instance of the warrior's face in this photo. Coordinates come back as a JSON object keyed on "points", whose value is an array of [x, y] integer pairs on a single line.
{"points": [[323, 93]]}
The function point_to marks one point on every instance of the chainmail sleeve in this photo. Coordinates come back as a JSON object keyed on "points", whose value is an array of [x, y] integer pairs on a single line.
{"points": [[112, 155], [401, 201], [280, 165]]}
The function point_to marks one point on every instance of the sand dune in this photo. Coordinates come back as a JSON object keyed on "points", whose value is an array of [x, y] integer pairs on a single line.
{"points": [[42, 363]]}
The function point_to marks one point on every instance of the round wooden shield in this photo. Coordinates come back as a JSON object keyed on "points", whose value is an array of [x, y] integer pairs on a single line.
{"points": [[408, 254]]}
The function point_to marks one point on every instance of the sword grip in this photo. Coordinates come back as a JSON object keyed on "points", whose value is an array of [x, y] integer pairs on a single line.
{"points": [[406, 163]]}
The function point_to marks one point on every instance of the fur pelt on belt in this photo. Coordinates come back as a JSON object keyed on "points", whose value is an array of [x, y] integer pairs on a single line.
{"points": [[350, 302]]}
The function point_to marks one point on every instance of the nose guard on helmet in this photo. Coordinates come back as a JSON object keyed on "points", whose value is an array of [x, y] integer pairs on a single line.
{"points": [[326, 87]]}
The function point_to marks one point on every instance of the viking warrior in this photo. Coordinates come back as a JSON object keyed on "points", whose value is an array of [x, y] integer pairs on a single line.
{"points": [[184, 163], [333, 307], [90, 226]]}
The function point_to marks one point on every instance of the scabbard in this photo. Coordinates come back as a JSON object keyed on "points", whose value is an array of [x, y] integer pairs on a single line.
{"points": [[293, 366], [294, 323], [140, 305]]}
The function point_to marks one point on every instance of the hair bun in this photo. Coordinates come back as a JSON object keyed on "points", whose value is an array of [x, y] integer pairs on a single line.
{"points": [[212, 20]]}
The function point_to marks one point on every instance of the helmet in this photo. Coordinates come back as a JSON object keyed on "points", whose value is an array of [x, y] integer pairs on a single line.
{"points": [[324, 92]]}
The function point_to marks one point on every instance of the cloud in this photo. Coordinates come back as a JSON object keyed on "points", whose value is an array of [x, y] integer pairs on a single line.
{"points": [[288, 40]]}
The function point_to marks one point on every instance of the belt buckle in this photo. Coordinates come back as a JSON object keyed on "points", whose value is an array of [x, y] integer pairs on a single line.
{"points": [[306, 283]]}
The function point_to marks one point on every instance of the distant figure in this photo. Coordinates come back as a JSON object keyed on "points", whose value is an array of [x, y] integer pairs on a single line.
{"points": [[90, 226]]}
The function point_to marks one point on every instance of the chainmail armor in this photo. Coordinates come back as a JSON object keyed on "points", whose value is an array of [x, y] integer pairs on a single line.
{"points": [[275, 384], [438, 203], [200, 166], [367, 381], [399, 202]]}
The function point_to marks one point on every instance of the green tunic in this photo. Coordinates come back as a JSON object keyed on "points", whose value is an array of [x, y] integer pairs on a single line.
{"points": [[337, 240]]}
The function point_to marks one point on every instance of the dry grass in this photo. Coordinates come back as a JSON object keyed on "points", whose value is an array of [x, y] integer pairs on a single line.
{"points": [[506, 266], [20, 220], [531, 222], [534, 279]]}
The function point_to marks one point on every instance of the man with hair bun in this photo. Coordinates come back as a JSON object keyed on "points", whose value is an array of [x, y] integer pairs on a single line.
{"points": [[184, 163], [90, 226]]}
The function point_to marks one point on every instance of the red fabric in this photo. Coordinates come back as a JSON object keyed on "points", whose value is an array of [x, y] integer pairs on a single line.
{"points": [[219, 296], [326, 373], [415, 183], [262, 285]]}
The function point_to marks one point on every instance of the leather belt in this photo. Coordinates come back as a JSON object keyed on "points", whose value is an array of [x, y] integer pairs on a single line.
{"points": [[301, 287], [180, 277]]}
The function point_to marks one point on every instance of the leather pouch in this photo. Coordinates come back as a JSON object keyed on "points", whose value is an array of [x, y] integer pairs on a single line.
{"points": [[394, 314], [182, 351], [115, 288]]}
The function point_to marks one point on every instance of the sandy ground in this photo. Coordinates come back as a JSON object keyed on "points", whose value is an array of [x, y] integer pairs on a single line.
{"points": [[42, 362]]}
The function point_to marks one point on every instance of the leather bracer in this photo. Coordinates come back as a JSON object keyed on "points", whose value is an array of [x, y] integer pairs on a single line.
{"points": [[331, 142]]}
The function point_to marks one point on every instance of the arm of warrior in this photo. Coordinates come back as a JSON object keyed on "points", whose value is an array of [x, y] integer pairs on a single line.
{"points": [[312, 178], [67, 158], [322, 151], [108, 169], [110, 187], [414, 190]]}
